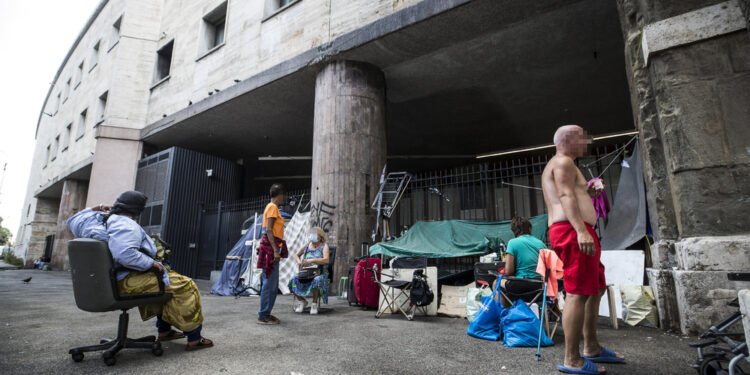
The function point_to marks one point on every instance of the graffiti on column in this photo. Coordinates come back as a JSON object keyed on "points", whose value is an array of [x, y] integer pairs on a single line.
{"points": [[322, 215]]}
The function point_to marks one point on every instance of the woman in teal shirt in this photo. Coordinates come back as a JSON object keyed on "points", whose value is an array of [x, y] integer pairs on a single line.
{"points": [[521, 258]]}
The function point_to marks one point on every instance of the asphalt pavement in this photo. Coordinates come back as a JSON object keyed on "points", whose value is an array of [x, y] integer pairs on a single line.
{"points": [[39, 323]]}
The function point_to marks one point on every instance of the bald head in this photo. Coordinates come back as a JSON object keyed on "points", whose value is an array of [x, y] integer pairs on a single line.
{"points": [[562, 133], [571, 140]]}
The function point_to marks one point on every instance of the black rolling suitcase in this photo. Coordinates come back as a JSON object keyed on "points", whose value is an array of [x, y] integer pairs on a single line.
{"points": [[350, 296]]}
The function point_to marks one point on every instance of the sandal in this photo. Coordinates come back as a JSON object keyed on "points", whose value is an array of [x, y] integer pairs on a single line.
{"points": [[605, 356], [202, 344], [171, 335]]}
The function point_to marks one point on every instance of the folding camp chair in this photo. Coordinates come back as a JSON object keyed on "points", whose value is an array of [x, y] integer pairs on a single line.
{"points": [[394, 290], [390, 297]]}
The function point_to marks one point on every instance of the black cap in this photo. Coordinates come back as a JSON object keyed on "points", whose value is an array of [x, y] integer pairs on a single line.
{"points": [[131, 201]]}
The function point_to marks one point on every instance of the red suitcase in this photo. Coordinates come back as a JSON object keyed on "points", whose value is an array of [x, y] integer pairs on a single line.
{"points": [[365, 289]]}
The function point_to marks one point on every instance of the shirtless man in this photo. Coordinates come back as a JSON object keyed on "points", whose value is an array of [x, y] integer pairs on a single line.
{"points": [[572, 236]]}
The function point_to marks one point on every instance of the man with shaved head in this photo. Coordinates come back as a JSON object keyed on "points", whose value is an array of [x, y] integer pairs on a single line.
{"points": [[572, 236]]}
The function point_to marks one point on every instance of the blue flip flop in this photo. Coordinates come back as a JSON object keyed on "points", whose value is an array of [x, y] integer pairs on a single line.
{"points": [[589, 368], [606, 356]]}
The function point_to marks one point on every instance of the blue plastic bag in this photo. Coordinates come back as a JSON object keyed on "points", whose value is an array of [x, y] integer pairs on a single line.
{"points": [[521, 327], [487, 324]]}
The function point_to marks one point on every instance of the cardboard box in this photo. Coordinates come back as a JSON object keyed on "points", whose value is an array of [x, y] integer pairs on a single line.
{"points": [[453, 300]]}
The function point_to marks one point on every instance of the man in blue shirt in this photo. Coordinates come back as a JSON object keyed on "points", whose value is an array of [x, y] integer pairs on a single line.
{"points": [[133, 253]]}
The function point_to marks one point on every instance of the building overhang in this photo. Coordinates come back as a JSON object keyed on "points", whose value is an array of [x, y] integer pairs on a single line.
{"points": [[53, 188], [463, 78]]}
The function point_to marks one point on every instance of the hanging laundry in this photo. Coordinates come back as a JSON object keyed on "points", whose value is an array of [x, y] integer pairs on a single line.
{"points": [[601, 203]]}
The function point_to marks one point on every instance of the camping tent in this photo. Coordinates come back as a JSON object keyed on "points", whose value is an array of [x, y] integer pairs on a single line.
{"points": [[238, 260], [455, 238], [241, 260]]}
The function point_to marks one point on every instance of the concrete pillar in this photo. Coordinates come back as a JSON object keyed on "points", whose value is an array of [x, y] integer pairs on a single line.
{"points": [[115, 163], [43, 225], [73, 199], [349, 151], [689, 72]]}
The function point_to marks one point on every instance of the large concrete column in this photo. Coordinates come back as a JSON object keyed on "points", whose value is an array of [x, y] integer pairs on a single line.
{"points": [[689, 71], [349, 151], [115, 163], [44, 223], [73, 199]]}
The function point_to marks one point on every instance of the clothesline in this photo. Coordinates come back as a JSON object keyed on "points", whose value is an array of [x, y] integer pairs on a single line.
{"points": [[618, 152], [521, 186]]}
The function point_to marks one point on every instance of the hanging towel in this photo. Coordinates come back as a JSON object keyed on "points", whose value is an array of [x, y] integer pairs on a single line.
{"points": [[548, 259], [601, 203]]}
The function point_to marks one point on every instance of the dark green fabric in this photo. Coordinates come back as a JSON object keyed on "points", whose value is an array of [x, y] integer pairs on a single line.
{"points": [[455, 238]]}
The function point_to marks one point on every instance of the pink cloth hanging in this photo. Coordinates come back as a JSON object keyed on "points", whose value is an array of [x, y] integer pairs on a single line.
{"points": [[601, 203]]}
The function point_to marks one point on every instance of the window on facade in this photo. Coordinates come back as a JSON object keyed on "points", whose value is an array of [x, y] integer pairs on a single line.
{"points": [[115, 37], [67, 90], [47, 155], [59, 101], [163, 61], [214, 25], [55, 147], [94, 56], [66, 139], [81, 124], [101, 108], [273, 6], [79, 75]]}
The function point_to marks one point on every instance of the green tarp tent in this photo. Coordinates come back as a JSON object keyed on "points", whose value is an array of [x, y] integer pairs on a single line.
{"points": [[455, 238]]}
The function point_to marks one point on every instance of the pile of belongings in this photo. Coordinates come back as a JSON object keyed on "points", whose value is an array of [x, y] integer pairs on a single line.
{"points": [[517, 325]]}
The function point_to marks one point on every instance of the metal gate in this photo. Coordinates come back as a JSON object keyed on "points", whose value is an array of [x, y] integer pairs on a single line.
{"points": [[497, 190], [219, 227]]}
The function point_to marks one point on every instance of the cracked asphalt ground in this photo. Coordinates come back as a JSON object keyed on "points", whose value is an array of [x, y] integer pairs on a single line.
{"points": [[39, 323]]}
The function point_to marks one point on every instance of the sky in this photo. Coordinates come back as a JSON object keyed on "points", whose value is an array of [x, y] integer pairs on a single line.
{"points": [[35, 35]]}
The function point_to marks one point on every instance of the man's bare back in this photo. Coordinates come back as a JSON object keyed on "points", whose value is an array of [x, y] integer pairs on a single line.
{"points": [[570, 180]]}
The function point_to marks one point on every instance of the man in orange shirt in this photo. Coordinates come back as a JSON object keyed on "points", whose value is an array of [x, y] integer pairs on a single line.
{"points": [[270, 251]]}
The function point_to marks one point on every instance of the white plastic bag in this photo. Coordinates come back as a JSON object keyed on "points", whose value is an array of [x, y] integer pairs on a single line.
{"points": [[638, 304]]}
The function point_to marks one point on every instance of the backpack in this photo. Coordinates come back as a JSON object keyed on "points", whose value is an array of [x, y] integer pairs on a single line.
{"points": [[420, 293]]}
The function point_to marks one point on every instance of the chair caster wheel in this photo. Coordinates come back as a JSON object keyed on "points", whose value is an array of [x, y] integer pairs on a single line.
{"points": [[77, 356], [156, 349], [109, 361]]}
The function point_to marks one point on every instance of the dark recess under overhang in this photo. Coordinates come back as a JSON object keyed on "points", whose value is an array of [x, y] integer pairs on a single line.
{"points": [[484, 76]]}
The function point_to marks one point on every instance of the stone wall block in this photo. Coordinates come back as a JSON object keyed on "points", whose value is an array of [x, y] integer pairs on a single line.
{"points": [[739, 51], [702, 298], [692, 62], [691, 120], [727, 253], [744, 297], [734, 96], [663, 255], [662, 283], [712, 201]]}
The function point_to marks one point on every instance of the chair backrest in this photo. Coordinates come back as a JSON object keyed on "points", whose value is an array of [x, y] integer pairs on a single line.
{"points": [[409, 262], [92, 271]]}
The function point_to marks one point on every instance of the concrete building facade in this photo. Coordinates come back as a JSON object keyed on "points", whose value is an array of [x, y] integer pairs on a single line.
{"points": [[322, 93]]}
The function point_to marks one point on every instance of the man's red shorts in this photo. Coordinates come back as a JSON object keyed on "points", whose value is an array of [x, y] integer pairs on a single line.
{"points": [[582, 274]]}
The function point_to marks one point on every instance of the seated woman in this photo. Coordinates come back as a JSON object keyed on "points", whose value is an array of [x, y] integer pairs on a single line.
{"points": [[521, 259], [318, 253], [133, 252]]}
